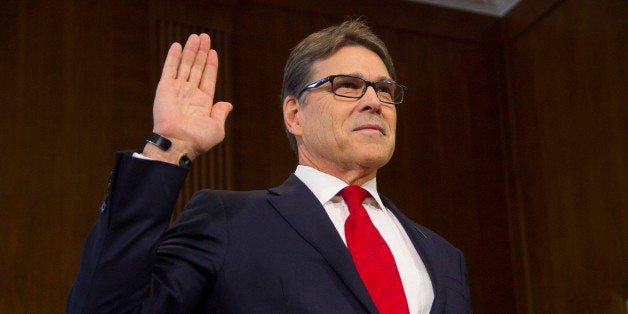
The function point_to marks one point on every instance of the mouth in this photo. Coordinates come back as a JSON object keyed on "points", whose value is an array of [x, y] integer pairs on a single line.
{"points": [[370, 128]]}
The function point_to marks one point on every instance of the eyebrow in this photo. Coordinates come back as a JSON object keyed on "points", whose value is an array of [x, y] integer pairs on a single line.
{"points": [[380, 78]]}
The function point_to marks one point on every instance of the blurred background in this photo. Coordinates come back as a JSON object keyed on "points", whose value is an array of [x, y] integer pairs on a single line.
{"points": [[512, 144]]}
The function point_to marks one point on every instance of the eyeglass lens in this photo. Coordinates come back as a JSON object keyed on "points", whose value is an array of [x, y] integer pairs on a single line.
{"points": [[355, 87]]}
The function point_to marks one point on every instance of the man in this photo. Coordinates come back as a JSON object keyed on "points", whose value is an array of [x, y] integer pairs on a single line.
{"points": [[323, 242]]}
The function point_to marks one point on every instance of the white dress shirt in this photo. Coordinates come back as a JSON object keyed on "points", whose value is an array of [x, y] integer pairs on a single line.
{"points": [[414, 277]]}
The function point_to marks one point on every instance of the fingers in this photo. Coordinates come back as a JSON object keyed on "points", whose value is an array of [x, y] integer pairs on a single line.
{"points": [[191, 63], [208, 81], [188, 57], [199, 62], [172, 62], [220, 111]]}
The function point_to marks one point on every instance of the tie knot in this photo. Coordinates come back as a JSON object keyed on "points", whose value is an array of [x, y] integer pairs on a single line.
{"points": [[353, 194]]}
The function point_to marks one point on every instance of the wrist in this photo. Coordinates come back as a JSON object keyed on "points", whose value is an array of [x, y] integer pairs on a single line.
{"points": [[172, 151]]}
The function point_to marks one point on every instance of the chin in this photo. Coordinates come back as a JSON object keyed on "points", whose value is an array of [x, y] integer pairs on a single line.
{"points": [[374, 161], [369, 155]]}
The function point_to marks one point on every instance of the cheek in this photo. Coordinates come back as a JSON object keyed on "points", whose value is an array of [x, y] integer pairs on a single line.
{"points": [[391, 119], [317, 127], [326, 122]]}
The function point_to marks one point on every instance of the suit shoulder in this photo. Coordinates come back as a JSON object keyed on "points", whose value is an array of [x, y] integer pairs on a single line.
{"points": [[223, 201], [228, 196]]}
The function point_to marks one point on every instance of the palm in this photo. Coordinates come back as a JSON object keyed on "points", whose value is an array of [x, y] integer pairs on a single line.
{"points": [[183, 110]]}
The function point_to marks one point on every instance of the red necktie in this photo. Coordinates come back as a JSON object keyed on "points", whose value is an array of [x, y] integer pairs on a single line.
{"points": [[372, 256]]}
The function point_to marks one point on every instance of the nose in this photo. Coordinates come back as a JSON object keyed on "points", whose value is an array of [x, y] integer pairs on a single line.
{"points": [[370, 102]]}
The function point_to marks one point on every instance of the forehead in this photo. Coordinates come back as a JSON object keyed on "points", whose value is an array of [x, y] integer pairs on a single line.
{"points": [[354, 60]]}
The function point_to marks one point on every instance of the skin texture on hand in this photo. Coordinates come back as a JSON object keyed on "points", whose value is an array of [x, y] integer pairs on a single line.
{"points": [[183, 110]]}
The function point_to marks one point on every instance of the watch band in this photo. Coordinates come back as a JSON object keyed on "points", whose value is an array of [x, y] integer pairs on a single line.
{"points": [[185, 162], [159, 141], [164, 144]]}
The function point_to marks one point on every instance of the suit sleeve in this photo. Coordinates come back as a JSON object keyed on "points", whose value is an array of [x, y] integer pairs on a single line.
{"points": [[129, 264], [465, 283]]}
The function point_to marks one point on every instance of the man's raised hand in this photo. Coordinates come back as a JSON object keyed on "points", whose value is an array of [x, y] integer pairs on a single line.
{"points": [[184, 111]]}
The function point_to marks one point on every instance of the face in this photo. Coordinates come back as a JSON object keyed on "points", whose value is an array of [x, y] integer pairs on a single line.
{"points": [[336, 134]]}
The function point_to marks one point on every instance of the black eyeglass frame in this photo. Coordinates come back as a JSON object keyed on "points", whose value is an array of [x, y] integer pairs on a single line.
{"points": [[330, 79]]}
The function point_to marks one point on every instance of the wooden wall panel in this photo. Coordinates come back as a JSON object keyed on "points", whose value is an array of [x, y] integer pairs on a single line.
{"points": [[78, 85], [569, 139], [64, 116]]}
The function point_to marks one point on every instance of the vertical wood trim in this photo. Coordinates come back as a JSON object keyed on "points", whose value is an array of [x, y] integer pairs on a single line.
{"points": [[512, 187], [525, 14]]}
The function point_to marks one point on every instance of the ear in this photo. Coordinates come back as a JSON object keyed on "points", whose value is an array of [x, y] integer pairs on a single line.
{"points": [[291, 115]]}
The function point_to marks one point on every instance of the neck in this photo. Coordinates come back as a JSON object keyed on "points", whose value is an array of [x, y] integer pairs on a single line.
{"points": [[352, 176]]}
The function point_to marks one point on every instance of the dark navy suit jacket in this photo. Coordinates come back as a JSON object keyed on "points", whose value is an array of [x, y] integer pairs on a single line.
{"points": [[273, 251]]}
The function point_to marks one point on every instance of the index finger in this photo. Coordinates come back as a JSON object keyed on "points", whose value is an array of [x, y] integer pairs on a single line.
{"points": [[208, 81]]}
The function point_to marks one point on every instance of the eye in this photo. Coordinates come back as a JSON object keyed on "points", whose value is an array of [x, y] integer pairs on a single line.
{"points": [[348, 82], [384, 88], [348, 86]]}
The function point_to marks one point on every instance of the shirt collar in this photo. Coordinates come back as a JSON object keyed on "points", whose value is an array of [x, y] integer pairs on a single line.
{"points": [[325, 186]]}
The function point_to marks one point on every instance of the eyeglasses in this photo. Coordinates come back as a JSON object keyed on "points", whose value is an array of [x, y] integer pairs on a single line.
{"points": [[354, 87]]}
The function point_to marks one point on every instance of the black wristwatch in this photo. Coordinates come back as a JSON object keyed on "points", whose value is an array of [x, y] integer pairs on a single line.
{"points": [[164, 144], [159, 141]]}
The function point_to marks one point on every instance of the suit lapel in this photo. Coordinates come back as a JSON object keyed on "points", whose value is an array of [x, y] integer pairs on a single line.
{"points": [[300, 208], [428, 252]]}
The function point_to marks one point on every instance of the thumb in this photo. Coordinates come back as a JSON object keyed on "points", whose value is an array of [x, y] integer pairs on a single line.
{"points": [[221, 110]]}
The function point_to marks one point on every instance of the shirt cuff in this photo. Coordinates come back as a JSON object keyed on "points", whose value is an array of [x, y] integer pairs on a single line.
{"points": [[140, 156]]}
